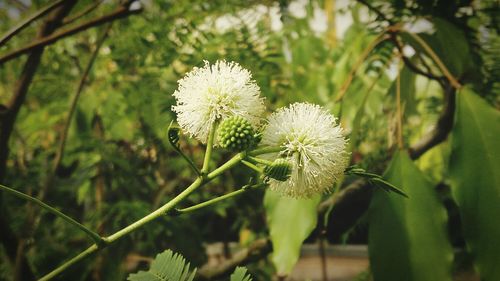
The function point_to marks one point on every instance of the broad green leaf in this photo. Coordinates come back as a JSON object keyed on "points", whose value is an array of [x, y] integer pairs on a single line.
{"points": [[290, 221], [167, 266], [240, 274], [475, 175], [407, 237]]}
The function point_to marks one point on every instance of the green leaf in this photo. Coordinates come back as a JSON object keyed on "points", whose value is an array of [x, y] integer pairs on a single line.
{"points": [[167, 266], [240, 274], [290, 221], [375, 180], [407, 237], [475, 177]]}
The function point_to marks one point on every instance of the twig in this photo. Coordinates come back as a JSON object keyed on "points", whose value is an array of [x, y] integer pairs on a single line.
{"points": [[343, 89], [409, 63], [8, 117], [83, 13], [20, 26], [217, 199], [453, 81], [97, 239], [19, 4], [76, 97], [121, 12]]}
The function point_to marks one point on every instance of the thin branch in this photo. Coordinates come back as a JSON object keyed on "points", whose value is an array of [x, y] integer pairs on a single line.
{"points": [[7, 119], [20, 26], [377, 11], [62, 142], [94, 236], [409, 63], [343, 89], [83, 13], [216, 199], [453, 81], [121, 12], [19, 4]]}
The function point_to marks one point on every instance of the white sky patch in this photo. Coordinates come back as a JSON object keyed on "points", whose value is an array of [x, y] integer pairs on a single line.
{"points": [[420, 26], [275, 18], [297, 8], [319, 22], [408, 51], [343, 17]]}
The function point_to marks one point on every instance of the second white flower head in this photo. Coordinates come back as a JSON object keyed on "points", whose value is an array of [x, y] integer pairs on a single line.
{"points": [[312, 142], [213, 93]]}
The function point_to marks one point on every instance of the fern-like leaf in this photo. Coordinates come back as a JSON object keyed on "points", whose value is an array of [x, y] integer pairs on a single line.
{"points": [[167, 266], [240, 274]]}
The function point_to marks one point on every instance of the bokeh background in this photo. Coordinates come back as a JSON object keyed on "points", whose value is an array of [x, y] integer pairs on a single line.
{"points": [[85, 103]]}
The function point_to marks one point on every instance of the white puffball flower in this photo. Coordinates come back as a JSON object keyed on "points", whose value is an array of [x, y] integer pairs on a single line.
{"points": [[213, 93], [313, 143]]}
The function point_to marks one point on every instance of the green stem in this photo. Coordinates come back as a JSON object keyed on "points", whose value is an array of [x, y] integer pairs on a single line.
{"points": [[159, 212], [174, 143], [252, 166], [229, 164], [210, 144], [265, 150], [90, 250], [220, 198], [95, 237], [260, 161]]}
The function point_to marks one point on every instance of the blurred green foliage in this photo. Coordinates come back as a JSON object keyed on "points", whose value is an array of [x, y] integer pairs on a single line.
{"points": [[118, 167]]}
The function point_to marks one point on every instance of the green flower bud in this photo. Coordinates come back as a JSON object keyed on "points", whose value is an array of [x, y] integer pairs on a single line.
{"points": [[280, 170], [236, 133]]}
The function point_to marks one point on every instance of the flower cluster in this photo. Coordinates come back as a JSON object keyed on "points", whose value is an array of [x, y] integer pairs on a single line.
{"points": [[307, 136]]}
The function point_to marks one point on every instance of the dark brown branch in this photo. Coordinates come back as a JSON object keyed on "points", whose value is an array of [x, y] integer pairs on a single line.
{"points": [[256, 251], [410, 64], [7, 119], [19, 27], [83, 13], [121, 12], [443, 126], [377, 11]]}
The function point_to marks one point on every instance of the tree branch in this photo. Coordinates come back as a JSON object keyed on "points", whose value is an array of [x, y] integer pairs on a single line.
{"points": [[19, 27], [83, 13], [256, 251], [121, 12], [7, 119], [443, 126], [409, 63]]}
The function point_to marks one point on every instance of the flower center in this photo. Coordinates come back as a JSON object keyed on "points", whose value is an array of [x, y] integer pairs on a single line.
{"points": [[220, 102]]}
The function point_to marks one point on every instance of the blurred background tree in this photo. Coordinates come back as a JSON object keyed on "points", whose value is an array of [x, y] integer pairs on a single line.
{"points": [[85, 101]]}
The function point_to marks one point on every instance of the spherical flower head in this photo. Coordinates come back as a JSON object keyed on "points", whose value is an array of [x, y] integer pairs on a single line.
{"points": [[214, 93], [313, 143]]}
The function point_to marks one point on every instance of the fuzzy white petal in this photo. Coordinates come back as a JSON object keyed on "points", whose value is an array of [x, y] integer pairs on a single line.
{"points": [[213, 93], [313, 143]]}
